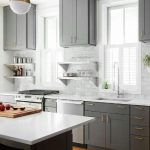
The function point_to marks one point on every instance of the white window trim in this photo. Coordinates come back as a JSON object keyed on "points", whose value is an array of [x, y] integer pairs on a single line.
{"points": [[42, 13], [105, 5]]}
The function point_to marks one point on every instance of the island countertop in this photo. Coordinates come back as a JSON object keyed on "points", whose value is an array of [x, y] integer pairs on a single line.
{"points": [[35, 128]]}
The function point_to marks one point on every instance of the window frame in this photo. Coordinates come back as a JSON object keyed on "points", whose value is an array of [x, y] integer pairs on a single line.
{"points": [[105, 5], [42, 14]]}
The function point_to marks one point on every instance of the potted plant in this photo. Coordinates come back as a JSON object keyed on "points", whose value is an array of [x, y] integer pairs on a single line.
{"points": [[146, 61]]}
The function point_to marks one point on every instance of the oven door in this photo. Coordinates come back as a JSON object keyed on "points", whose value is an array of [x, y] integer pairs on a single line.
{"points": [[30, 104]]}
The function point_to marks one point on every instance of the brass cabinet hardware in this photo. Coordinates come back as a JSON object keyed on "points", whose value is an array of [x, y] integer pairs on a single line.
{"points": [[121, 106], [90, 104], [139, 118], [138, 128], [107, 119], [139, 138], [139, 108]]}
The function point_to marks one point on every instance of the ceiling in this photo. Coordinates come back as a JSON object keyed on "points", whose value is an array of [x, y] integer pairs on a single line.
{"points": [[6, 2]]}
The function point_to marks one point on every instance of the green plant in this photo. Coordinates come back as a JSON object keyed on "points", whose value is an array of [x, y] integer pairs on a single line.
{"points": [[146, 60]]}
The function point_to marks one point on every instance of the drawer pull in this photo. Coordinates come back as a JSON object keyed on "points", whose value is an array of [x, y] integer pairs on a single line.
{"points": [[139, 128], [139, 108], [122, 107], [139, 138], [90, 104], [139, 118]]}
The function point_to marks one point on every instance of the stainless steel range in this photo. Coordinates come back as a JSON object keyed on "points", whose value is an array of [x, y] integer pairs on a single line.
{"points": [[33, 98]]}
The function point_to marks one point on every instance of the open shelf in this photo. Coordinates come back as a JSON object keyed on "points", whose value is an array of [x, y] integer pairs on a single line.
{"points": [[64, 79], [13, 66], [18, 77], [65, 65]]}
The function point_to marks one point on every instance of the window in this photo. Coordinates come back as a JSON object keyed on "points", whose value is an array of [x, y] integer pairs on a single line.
{"points": [[122, 49], [51, 54]]}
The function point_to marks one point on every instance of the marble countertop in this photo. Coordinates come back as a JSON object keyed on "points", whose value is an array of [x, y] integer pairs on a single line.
{"points": [[127, 100], [35, 128]]}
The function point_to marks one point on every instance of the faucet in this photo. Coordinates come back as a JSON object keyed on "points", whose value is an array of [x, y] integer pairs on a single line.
{"points": [[118, 80]]}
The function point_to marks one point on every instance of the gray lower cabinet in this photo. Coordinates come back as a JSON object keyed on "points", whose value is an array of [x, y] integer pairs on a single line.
{"points": [[144, 20], [77, 22], [111, 128], [95, 131], [117, 132], [139, 128], [19, 30]]}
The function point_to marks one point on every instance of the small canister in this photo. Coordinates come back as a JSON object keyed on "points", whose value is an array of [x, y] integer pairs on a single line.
{"points": [[19, 60], [15, 59]]}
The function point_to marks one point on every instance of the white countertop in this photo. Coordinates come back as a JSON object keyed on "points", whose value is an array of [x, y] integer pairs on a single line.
{"points": [[35, 128]]}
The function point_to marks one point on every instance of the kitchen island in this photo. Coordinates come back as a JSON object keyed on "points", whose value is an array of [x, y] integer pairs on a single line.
{"points": [[42, 131]]}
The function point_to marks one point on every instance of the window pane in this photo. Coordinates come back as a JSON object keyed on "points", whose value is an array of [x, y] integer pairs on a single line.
{"points": [[116, 26], [129, 66], [46, 73], [131, 24], [50, 32], [111, 57]]}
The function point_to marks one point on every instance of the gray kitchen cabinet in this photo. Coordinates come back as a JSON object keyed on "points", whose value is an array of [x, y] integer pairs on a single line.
{"points": [[77, 22], [144, 20], [95, 131], [31, 28], [19, 30], [117, 132], [139, 124], [111, 128], [10, 30]]}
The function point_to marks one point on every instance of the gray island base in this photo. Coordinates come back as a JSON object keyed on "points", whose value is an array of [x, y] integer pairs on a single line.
{"points": [[59, 142]]}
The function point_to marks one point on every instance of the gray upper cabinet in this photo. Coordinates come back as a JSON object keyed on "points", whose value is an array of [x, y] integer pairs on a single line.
{"points": [[144, 20], [31, 28], [19, 30], [10, 30], [77, 22]]}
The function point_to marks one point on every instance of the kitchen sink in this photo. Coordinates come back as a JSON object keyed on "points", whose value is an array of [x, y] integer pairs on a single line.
{"points": [[114, 99]]}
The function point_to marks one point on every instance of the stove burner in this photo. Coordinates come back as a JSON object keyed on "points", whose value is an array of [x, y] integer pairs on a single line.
{"points": [[38, 92]]}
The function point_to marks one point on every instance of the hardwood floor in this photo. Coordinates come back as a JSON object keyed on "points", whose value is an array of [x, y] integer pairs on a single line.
{"points": [[77, 148]]}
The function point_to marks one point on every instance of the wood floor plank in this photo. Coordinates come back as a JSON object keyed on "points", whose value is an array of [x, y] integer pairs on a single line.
{"points": [[77, 148]]}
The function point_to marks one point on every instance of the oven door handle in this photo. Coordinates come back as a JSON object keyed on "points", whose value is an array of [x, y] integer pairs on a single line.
{"points": [[70, 101]]}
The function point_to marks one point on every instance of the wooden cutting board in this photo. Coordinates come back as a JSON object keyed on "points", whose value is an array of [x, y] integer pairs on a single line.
{"points": [[19, 113]]}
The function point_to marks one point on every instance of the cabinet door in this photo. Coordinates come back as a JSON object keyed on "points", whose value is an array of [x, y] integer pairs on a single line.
{"points": [[66, 22], [9, 29], [117, 132], [95, 131], [80, 32], [21, 32], [144, 20], [31, 28]]}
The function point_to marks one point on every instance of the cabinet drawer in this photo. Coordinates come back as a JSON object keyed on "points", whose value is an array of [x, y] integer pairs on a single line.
{"points": [[139, 120], [139, 130], [50, 109], [140, 110], [108, 108], [139, 115], [51, 102], [139, 143]]}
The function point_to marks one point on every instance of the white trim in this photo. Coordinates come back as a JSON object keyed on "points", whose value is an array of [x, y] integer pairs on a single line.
{"points": [[104, 5]]}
